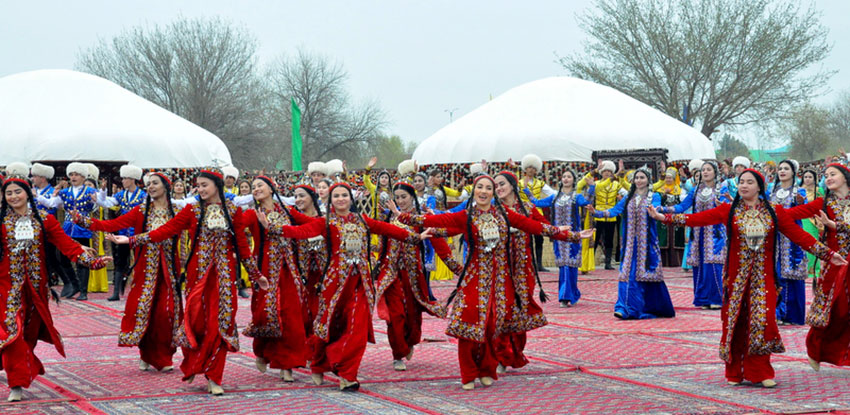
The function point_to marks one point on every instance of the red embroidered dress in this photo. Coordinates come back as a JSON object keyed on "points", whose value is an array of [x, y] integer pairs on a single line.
{"points": [[484, 306], [829, 315], [343, 323], [750, 333], [24, 283], [402, 290], [276, 314], [312, 258], [153, 310], [208, 330]]}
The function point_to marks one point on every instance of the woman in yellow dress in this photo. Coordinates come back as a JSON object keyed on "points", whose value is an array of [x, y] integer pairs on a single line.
{"points": [[98, 279]]}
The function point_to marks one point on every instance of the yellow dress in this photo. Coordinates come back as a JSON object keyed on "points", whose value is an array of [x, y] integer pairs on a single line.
{"points": [[98, 279], [442, 272]]}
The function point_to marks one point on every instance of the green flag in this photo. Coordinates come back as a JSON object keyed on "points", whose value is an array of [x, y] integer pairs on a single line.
{"points": [[296, 137]]}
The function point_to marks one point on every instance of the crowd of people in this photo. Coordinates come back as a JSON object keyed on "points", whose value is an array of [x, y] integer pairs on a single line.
{"points": [[320, 255]]}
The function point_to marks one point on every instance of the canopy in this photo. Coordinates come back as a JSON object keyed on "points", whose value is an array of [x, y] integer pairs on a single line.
{"points": [[560, 118], [59, 115]]}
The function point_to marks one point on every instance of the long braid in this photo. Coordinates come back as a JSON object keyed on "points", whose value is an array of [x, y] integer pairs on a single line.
{"points": [[508, 244], [515, 189], [470, 243]]}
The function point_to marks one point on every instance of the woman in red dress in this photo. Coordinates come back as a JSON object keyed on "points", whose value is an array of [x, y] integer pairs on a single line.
{"points": [[23, 279], [402, 281], [217, 230], [486, 298], [312, 253], [750, 333], [829, 316], [343, 324], [153, 310], [510, 346], [276, 313]]}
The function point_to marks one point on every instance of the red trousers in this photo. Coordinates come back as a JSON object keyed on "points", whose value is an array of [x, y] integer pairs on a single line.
{"points": [[18, 358], [743, 366], [509, 349], [476, 360], [202, 319], [348, 335], [831, 344], [404, 326], [156, 346]]}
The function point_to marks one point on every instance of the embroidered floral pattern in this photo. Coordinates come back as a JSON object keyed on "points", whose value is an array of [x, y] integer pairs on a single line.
{"points": [[569, 255], [824, 296], [637, 229], [710, 236], [792, 261]]}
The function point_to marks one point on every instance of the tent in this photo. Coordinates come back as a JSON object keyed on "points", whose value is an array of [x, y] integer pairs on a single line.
{"points": [[563, 119], [62, 115]]}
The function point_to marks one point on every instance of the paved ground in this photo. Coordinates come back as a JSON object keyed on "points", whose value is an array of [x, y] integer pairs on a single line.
{"points": [[584, 361]]}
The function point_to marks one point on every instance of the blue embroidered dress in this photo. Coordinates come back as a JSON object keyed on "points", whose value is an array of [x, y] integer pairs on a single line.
{"points": [[792, 264], [707, 252], [641, 292]]}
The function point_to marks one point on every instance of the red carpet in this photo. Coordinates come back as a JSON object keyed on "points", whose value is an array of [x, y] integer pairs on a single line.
{"points": [[584, 362]]}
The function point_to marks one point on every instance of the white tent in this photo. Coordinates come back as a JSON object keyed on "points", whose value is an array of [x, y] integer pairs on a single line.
{"points": [[560, 118], [59, 115]]}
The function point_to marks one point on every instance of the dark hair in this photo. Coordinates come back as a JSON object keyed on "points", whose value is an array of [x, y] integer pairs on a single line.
{"points": [[716, 173], [469, 207], [386, 218], [634, 188], [353, 207], [434, 172], [328, 231], [313, 196], [275, 198], [793, 173], [219, 184], [763, 197], [4, 207], [561, 191], [843, 172], [137, 255]]}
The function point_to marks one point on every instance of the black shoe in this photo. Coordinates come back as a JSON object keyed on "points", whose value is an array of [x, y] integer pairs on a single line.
{"points": [[243, 293], [83, 296], [67, 291], [608, 267], [114, 296]]}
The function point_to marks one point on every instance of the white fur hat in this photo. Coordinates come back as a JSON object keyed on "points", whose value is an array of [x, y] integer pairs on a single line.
{"points": [[17, 169], [131, 172], [695, 165], [316, 167], [42, 170], [741, 161], [532, 160], [92, 172], [78, 168], [406, 167], [608, 165], [476, 168], [334, 167], [796, 165], [146, 179], [230, 171]]}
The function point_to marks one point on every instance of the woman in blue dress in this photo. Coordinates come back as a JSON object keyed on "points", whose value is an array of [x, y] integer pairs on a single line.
{"points": [[708, 245], [641, 293], [792, 264], [564, 211]]}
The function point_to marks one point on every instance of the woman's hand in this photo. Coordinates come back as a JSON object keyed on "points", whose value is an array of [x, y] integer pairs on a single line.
{"points": [[263, 283], [829, 223], [837, 260], [372, 162], [654, 214], [393, 207], [263, 219], [427, 234], [586, 233], [117, 239]]}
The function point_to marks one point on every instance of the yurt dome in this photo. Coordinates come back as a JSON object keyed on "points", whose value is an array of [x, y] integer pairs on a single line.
{"points": [[563, 119], [62, 115]]}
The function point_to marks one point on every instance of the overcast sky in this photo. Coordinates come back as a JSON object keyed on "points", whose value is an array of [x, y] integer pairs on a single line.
{"points": [[418, 59]]}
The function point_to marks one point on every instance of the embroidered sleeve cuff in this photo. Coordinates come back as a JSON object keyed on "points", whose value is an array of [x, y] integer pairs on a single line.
{"points": [[412, 238], [85, 259], [440, 233], [549, 230], [677, 219], [413, 220], [140, 239], [454, 266], [841, 226], [821, 251], [85, 221], [251, 268]]}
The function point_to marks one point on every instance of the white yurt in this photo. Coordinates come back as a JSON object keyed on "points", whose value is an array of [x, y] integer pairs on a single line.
{"points": [[62, 115], [560, 119]]}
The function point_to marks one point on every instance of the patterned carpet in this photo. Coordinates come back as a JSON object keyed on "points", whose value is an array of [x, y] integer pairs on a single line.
{"points": [[584, 362]]}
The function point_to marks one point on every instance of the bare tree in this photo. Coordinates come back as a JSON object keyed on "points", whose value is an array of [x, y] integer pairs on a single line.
{"points": [[331, 126], [839, 120], [717, 62], [809, 132], [203, 70]]}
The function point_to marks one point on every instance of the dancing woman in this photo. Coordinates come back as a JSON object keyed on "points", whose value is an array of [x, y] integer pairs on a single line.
{"points": [[641, 291], [564, 211], [219, 244], [485, 302], [153, 310], [312, 254], [276, 313], [750, 333], [708, 246], [343, 324], [24, 232], [791, 304]]}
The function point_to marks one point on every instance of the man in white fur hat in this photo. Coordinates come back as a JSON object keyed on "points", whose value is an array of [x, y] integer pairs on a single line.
{"points": [[739, 164], [607, 189], [231, 174], [531, 165], [475, 169], [128, 198], [317, 171], [80, 198]]}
